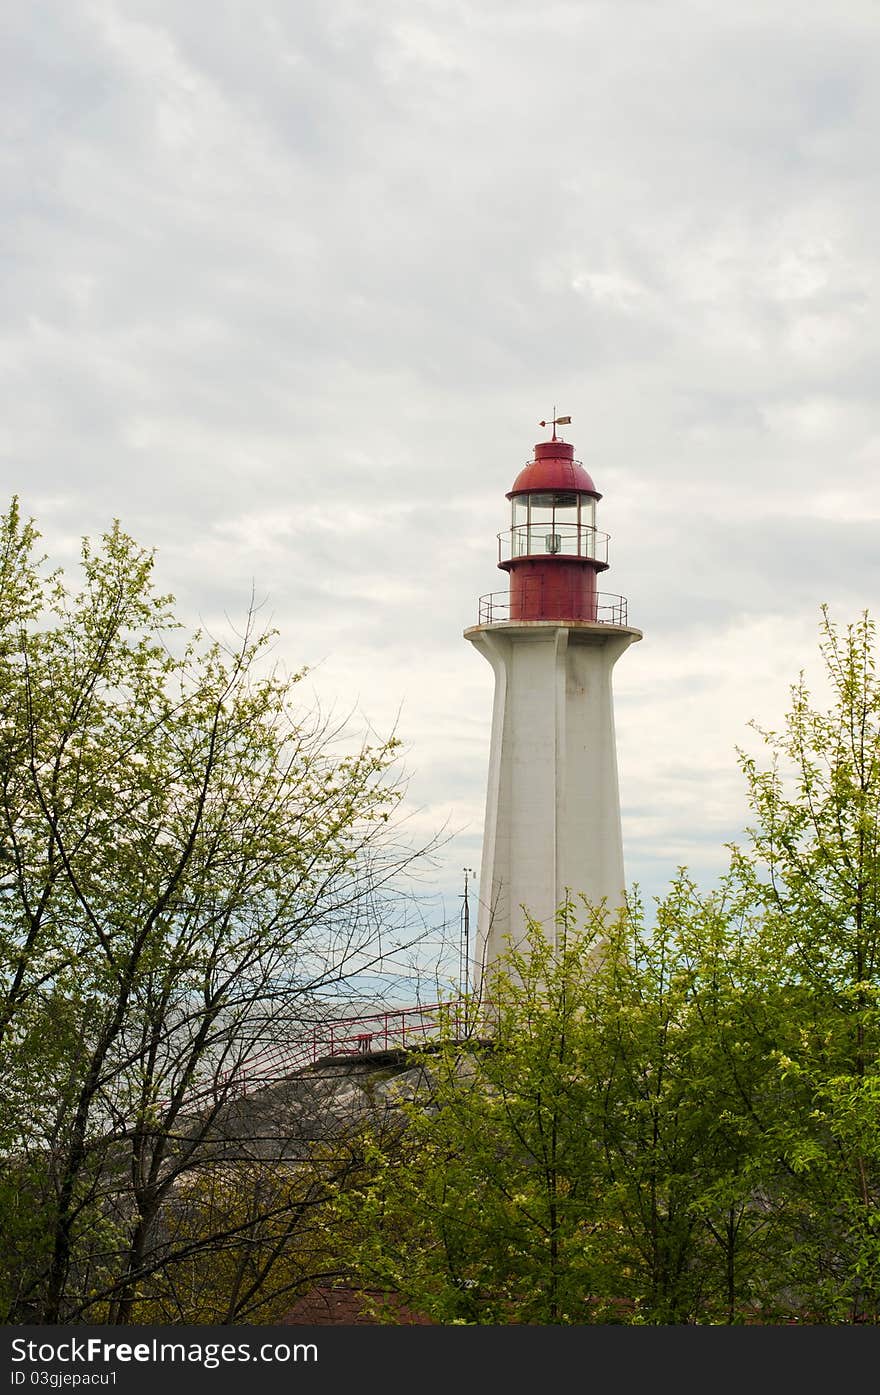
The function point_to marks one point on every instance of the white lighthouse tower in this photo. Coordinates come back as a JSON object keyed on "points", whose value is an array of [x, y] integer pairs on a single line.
{"points": [[552, 804]]}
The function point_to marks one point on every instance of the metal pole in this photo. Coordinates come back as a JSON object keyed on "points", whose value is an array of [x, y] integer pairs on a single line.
{"points": [[464, 977]]}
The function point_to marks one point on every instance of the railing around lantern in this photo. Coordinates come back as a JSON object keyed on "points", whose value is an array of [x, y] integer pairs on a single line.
{"points": [[554, 539], [610, 610]]}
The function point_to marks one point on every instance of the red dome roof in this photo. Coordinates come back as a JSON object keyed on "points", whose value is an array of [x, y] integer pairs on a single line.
{"points": [[554, 467]]}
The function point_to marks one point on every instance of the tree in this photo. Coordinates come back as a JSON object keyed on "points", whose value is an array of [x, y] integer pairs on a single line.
{"points": [[482, 1208], [813, 869], [677, 1121], [814, 860], [186, 860], [594, 1157], [681, 1058]]}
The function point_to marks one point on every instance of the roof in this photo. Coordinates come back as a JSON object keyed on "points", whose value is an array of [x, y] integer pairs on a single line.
{"points": [[349, 1307], [554, 467]]}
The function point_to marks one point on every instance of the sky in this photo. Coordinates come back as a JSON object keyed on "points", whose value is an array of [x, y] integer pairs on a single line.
{"points": [[288, 287]]}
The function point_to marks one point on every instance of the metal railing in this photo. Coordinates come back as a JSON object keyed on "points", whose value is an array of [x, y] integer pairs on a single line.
{"points": [[531, 458], [349, 1037], [554, 540], [610, 610]]}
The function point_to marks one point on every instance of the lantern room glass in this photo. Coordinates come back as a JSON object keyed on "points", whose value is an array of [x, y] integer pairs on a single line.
{"points": [[556, 522], [519, 536]]}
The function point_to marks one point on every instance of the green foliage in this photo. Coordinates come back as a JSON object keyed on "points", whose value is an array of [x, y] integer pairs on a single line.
{"points": [[676, 1122], [594, 1157], [664, 1122], [183, 855], [814, 861], [484, 1210], [813, 870]]}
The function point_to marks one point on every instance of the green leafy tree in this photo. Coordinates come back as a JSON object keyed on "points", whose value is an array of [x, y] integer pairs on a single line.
{"points": [[813, 869], [485, 1208], [674, 1122], [594, 1158], [814, 860], [186, 859]]}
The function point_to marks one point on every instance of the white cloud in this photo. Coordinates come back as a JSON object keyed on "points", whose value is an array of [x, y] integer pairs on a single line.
{"points": [[289, 288]]}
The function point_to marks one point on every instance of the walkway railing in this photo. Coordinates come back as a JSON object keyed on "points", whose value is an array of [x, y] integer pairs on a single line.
{"points": [[610, 610], [348, 1037]]}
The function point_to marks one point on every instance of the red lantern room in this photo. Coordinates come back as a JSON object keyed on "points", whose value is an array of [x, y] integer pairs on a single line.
{"points": [[553, 551]]}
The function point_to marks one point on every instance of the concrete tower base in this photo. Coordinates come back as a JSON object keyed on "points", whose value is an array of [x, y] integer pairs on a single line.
{"points": [[552, 803]]}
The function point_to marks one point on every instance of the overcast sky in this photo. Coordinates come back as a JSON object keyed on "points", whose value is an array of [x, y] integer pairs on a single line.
{"points": [[288, 286]]}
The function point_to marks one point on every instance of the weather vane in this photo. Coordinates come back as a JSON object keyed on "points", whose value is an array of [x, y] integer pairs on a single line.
{"points": [[557, 421]]}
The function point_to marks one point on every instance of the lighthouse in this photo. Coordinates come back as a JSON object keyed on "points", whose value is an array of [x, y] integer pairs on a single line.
{"points": [[552, 804]]}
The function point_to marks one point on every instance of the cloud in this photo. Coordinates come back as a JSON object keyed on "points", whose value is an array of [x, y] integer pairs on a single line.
{"points": [[288, 289]]}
